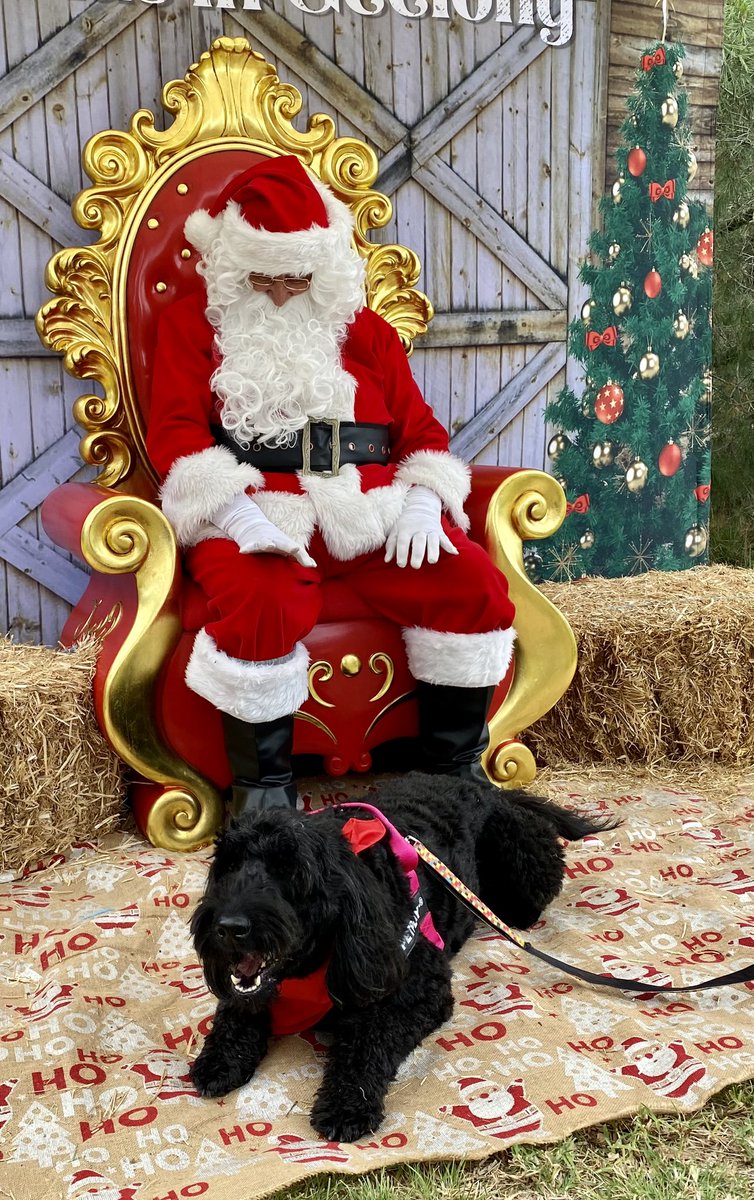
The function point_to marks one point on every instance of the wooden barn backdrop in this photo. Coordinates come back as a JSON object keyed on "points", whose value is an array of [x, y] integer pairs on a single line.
{"points": [[494, 148]]}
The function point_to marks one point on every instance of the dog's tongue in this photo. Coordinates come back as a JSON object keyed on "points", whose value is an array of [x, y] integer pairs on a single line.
{"points": [[249, 965]]}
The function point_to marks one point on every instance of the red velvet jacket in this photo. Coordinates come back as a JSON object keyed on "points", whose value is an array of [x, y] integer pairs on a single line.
{"points": [[200, 477]]}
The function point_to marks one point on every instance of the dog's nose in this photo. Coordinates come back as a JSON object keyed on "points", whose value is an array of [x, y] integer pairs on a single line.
{"points": [[233, 926]]}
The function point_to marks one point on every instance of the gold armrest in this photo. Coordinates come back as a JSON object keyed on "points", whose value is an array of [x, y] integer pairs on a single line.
{"points": [[127, 535], [528, 504]]}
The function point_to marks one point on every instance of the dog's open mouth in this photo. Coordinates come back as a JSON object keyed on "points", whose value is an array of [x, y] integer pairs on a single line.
{"points": [[248, 975]]}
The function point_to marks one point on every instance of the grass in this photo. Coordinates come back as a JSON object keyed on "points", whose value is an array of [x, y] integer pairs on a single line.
{"points": [[707, 1155], [732, 531]]}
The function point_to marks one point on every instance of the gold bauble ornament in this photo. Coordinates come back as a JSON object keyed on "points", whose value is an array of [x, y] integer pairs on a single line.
{"points": [[586, 311], [622, 300], [586, 541], [586, 409], [669, 111], [636, 475], [649, 365], [681, 326], [613, 250], [617, 191], [603, 454], [678, 69], [695, 541], [693, 166], [682, 216], [556, 445]]}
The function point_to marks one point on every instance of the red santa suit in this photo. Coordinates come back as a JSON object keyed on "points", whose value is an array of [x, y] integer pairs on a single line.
{"points": [[210, 414]]}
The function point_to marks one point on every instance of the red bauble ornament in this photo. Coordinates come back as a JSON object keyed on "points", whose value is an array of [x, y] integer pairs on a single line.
{"points": [[702, 492], [705, 248], [637, 161], [670, 459], [608, 404], [653, 284]]}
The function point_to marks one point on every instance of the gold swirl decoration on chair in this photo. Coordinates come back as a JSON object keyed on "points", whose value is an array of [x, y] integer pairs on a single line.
{"points": [[126, 535], [526, 506], [231, 98]]}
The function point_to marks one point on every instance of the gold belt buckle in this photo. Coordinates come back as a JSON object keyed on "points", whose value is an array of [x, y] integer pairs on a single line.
{"points": [[306, 447]]}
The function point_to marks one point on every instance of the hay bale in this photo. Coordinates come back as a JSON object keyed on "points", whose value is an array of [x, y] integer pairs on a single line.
{"points": [[666, 670], [59, 780]]}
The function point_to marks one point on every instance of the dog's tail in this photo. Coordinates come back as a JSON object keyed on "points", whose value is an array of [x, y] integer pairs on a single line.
{"points": [[520, 859], [569, 825]]}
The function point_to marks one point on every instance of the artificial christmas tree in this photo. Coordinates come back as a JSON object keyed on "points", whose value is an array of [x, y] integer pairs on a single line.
{"points": [[632, 451]]}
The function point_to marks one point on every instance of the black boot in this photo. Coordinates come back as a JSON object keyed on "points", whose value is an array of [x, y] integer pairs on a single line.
{"points": [[260, 759], [453, 732]]}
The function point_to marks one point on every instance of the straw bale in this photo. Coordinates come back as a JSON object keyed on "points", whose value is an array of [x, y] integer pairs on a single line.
{"points": [[59, 780], [665, 674]]}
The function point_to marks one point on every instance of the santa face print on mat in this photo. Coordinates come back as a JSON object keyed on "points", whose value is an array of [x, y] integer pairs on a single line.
{"points": [[496, 1111]]}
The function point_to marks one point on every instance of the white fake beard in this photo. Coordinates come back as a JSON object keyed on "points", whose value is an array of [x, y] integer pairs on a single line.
{"points": [[280, 366]]}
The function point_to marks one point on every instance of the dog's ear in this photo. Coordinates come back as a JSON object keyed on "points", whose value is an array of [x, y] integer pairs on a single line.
{"points": [[367, 961]]}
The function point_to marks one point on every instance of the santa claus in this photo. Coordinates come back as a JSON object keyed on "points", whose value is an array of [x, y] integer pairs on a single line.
{"points": [[293, 446]]}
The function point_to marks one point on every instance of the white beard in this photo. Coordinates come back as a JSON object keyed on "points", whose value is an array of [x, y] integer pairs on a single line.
{"points": [[282, 366]]}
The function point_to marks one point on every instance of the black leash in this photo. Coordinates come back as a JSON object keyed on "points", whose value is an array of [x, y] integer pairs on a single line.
{"points": [[472, 901]]}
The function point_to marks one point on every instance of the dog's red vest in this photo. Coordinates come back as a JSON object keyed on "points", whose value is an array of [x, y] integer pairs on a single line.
{"points": [[302, 1003]]}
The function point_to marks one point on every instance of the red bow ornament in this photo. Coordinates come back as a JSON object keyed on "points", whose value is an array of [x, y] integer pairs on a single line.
{"points": [[658, 59], [580, 505], [702, 492], [658, 191], [608, 338]]}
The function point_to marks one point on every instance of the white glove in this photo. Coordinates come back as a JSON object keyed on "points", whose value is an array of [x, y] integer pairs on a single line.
{"points": [[244, 521], [418, 530]]}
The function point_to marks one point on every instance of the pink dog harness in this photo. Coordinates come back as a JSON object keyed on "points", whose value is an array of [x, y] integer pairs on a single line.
{"points": [[302, 1003]]}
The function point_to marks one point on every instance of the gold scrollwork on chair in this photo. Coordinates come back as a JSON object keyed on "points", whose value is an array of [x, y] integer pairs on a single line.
{"points": [[527, 505], [382, 662], [232, 97], [126, 535], [325, 671], [97, 626]]}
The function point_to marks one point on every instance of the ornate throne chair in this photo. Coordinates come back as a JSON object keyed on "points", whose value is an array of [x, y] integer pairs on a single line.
{"points": [[230, 109]]}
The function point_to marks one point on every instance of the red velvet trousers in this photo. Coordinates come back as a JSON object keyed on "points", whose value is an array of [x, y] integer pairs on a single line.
{"points": [[261, 605]]}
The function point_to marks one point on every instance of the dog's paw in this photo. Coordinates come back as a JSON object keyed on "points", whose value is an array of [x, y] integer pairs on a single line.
{"points": [[212, 1076], [347, 1116]]}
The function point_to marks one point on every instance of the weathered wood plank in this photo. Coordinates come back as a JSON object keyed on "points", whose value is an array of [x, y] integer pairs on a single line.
{"points": [[496, 328], [297, 52], [26, 491], [38, 202], [18, 339], [41, 565], [54, 60], [474, 92], [491, 229], [464, 398], [509, 401]]}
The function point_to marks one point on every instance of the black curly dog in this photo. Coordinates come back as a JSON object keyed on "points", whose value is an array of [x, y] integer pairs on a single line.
{"points": [[286, 892]]}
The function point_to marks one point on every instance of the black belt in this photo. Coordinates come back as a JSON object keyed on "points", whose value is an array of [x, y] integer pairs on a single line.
{"points": [[321, 447]]}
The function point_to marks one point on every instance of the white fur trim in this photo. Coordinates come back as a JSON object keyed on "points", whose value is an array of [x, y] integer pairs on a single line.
{"points": [[199, 485], [252, 691], [201, 230], [459, 659], [445, 474], [352, 522], [299, 253], [291, 513]]}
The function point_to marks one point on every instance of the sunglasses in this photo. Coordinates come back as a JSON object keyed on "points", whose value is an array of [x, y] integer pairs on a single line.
{"points": [[292, 283]]}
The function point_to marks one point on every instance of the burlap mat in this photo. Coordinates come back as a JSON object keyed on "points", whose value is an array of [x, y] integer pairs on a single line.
{"points": [[103, 1005]]}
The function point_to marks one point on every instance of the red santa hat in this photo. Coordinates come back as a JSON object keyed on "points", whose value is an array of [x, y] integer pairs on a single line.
{"points": [[274, 218]]}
